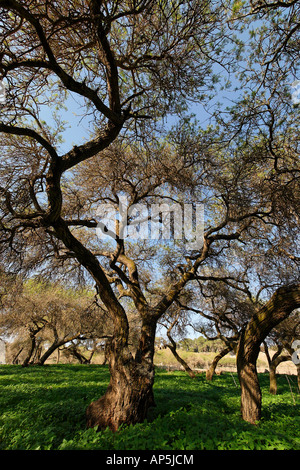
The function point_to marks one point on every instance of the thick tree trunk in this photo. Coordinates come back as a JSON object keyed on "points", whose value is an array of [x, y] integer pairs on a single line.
{"points": [[127, 399], [130, 391], [279, 307], [250, 388], [211, 370]]}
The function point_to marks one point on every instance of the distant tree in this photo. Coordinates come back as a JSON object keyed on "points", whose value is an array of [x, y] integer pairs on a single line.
{"points": [[219, 314], [282, 338], [274, 361], [77, 350], [45, 317], [174, 324]]}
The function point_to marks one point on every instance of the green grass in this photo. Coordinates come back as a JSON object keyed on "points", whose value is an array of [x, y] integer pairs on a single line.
{"points": [[43, 408]]}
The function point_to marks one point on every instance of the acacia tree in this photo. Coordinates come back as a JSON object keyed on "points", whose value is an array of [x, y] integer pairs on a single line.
{"points": [[175, 323], [74, 350], [127, 62], [282, 303], [66, 320], [43, 317], [283, 337]]}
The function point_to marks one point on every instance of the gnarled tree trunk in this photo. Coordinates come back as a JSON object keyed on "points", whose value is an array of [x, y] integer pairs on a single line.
{"points": [[247, 372], [130, 391], [128, 397], [282, 303]]}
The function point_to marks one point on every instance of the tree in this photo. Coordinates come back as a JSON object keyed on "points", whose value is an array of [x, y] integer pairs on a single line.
{"points": [[44, 317], [172, 323], [219, 313], [245, 332], [282, 303], [132, 64], [74, 350], [274, 362], [283, 336]]}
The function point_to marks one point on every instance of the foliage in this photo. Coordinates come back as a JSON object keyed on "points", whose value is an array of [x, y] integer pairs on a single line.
{"points": [[41, 317], [43, 408], [200, 344]]}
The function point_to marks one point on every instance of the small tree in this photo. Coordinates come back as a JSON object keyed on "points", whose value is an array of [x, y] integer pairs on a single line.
{"points": [[46, 316], [282, 303]]}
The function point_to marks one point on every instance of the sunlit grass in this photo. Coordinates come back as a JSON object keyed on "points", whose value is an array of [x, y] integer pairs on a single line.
{"points": [[44, 408]]}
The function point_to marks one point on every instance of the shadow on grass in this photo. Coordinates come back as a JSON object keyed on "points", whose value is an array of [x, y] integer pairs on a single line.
{"points": [[44, 408]]}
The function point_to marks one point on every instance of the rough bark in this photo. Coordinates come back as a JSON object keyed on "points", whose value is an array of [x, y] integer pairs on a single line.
{"points": [[130, 391], [279, 307], [250, 388], [128, 397]]}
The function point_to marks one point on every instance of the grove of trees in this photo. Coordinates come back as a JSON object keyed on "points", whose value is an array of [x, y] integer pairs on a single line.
{"points": [[182, 103]]}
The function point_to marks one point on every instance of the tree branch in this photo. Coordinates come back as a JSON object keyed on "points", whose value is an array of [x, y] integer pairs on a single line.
{"points": [[70, 83]]}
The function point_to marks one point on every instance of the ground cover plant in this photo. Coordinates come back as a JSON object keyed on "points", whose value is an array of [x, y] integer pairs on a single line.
{"points": [[43, 408]]}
